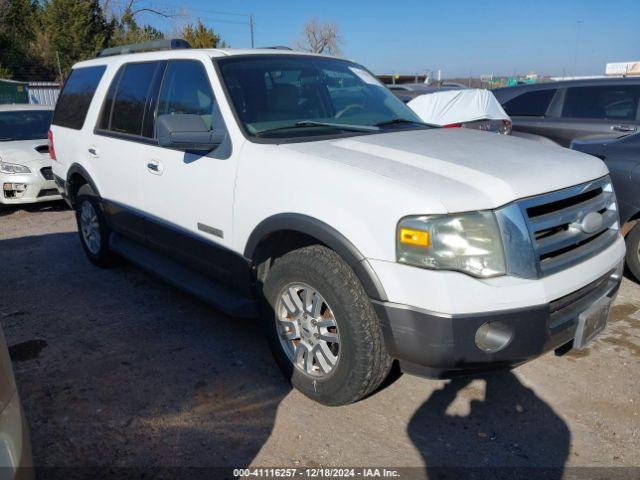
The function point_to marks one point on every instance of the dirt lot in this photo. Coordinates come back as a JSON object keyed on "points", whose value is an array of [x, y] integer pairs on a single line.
{"points": [[116, 368]]}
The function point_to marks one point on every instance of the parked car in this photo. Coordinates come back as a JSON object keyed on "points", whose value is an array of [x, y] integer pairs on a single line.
{"points": [[25, 166], [464, 108], [577, 109], [15, 449], [622, 156], [297, 185]]}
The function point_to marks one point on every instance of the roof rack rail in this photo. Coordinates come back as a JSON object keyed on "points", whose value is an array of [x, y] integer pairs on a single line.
{"points": [[150, 46], [278, 47]]}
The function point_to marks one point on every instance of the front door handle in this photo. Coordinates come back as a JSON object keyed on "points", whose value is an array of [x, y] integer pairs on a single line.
{"points": [[624, 128], [93, 151], [155, 167]]}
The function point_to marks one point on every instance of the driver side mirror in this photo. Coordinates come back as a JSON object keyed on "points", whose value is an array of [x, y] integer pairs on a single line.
{"points": [[187, 132]]}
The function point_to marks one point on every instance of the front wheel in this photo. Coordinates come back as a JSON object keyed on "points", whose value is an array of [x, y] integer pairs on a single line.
{"points": [[322, 328], [633, 251]]}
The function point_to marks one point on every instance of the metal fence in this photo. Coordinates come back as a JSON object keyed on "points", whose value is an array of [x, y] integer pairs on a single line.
{"points": [[43, 93]]}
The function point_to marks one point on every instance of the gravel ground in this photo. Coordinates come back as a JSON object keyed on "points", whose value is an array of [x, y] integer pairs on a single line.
{"points": [[116, 368]]}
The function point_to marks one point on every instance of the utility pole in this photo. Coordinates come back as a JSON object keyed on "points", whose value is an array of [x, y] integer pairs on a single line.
{"points": [[59, 67], [251, 24]]}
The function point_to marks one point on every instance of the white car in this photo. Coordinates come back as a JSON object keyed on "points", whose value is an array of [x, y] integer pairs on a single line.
{"points": [[298, 186], [25, 166]]}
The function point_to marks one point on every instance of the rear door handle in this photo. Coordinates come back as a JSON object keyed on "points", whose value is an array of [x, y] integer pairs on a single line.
{"points": [[93, 151], [155, 167], [624, 128]]}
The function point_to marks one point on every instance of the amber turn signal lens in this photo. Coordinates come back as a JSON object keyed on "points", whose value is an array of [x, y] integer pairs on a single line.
{"points": [[416, 238]]}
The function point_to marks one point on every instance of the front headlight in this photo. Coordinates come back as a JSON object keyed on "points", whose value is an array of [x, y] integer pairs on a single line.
{"points": [[13, 168], [465, 242]]}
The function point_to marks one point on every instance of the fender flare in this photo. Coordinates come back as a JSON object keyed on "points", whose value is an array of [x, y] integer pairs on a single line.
{"points": [[327, 235], [79, 169]]}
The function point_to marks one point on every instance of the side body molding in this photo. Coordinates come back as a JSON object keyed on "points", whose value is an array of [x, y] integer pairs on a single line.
{"points": [[326, 234]]}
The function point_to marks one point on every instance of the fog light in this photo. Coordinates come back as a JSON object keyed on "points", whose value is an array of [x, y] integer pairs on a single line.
{"points": [[19, 187], [493, 336]]}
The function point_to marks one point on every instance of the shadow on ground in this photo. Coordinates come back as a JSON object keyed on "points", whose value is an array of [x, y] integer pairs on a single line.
{"points": [[55, 206], [508, 432]]}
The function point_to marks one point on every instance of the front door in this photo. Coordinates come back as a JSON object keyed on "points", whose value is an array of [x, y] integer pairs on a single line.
{"points": [[189, 195]]}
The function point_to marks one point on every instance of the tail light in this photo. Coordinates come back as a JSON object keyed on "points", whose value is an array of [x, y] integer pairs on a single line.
{"points": [[505, 129], [52, 151], [453, 125]]}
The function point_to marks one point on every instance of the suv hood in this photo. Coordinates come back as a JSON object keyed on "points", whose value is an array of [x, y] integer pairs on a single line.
{"points": [[462, 169], [23, 152]]}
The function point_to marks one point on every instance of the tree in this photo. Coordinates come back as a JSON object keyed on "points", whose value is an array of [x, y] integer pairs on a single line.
{"points": [[75, 30], [200, 36], [19, 22], [126, 28], [321, 37]]}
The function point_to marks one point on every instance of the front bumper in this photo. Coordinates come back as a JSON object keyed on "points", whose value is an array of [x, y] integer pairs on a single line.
{"points": [[437, 345], [23, 188]]}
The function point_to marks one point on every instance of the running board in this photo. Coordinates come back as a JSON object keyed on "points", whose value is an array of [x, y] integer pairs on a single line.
{"points": [[195, 283]]}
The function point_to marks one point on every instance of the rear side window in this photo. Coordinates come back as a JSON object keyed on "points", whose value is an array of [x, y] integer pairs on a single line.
{"points": [[530, 104], [607, 102], [76, 96], [129, 104]]}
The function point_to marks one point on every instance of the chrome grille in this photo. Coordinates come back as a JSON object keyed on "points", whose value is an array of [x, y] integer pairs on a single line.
{"points": [[556, 223]]}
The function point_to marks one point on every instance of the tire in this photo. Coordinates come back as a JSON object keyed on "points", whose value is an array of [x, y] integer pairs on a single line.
{"points": [[362, 359], [633, 251], [96, 247]]}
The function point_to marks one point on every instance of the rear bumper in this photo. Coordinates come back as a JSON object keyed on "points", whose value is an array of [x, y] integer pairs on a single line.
{"points": [[438, 345]]}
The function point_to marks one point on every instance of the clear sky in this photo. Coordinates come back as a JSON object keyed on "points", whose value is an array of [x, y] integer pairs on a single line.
{"points": [[461, 37]]}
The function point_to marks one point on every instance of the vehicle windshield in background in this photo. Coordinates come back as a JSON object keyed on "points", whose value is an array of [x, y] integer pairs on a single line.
{"points": [[285, 96], [24, 125]]}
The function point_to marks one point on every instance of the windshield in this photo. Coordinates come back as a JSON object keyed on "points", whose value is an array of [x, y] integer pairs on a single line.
{"points": [[291, 96], [24, 125]]}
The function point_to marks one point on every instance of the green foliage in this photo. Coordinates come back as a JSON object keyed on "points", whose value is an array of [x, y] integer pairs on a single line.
{"points": [[200, 36], [42, 39], [5, 73], [75, 30], [126, 30]]}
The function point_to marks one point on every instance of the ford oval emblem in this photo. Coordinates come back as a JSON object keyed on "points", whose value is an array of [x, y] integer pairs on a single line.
{"points": [[591, 223]]}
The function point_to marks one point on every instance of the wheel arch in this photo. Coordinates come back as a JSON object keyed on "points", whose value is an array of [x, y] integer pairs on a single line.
{"points": [[284, 232], [627, 225], [77, 176]]}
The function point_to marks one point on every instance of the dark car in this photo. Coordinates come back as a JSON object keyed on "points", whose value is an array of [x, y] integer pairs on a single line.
{"points": [[577, 109], [622, 156]]}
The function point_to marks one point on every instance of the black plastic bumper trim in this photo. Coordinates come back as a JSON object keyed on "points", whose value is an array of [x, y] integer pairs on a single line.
{"points": [[439, 345]]}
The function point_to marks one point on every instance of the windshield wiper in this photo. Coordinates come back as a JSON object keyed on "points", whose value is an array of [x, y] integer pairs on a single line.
{"points": [[311, 123], [397, 121]]}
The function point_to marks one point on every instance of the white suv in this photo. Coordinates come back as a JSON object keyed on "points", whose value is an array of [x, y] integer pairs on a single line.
{"points": [[299, 187]]}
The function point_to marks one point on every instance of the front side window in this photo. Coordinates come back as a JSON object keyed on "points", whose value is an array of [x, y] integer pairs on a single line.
{"points": [[24, 125], [74, 101], [530, 104], [186, 90], [294, 96], [615, 102]]}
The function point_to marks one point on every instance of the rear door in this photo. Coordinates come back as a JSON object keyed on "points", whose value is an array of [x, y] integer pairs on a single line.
{"points": [[121, 143], [601, 109]]}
